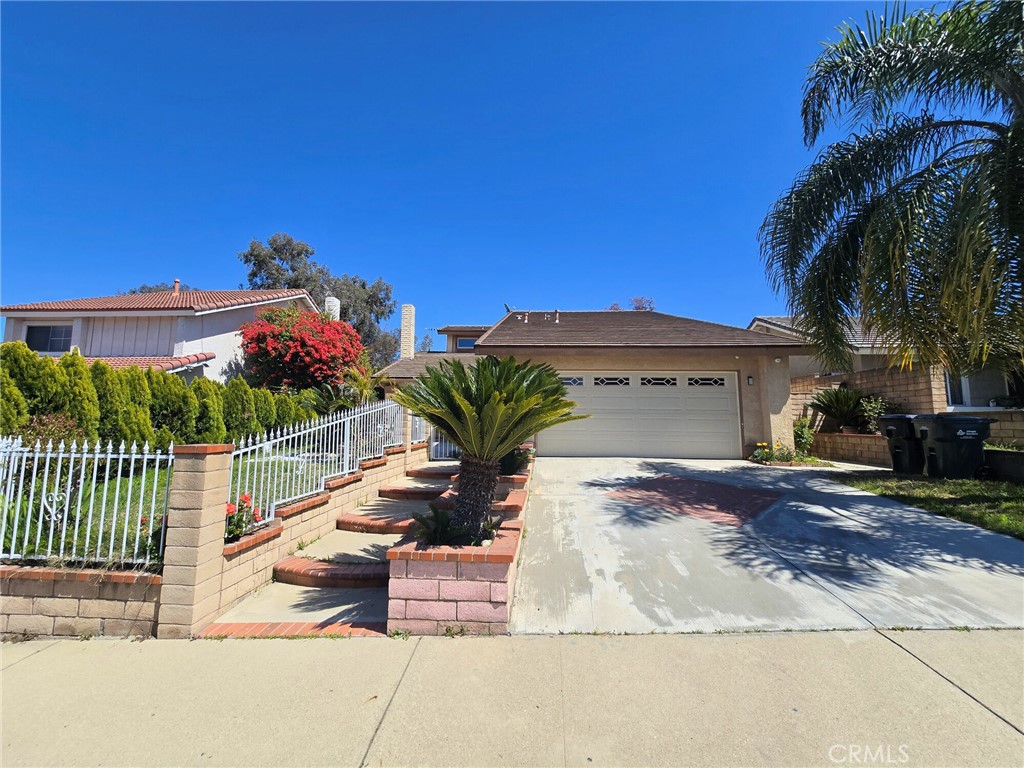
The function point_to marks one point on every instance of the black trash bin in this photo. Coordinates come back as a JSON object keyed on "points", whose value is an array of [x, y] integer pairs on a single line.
{"points": [[905, 449], [954, 445]]}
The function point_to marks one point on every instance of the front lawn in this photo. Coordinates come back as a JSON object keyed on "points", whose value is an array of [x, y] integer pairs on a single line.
{"points": [[992, 504]]}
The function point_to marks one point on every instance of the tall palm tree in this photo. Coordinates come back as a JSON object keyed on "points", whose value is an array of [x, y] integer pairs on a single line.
{"points": [[486, 409], [915, 226]]}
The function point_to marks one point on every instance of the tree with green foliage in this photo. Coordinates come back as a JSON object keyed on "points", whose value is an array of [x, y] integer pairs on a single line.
{"points": [[120, 419], [173, 406], [13, 408], [264, 408], [486, 409], [239, 410], [82, 402], [912, 227], [156, 287], [285, 409], [210, 426], [42, 382], [137, 387], [285, 262]]}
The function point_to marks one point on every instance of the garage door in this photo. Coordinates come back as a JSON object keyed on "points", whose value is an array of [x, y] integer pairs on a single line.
{"points": [[683, 414]]}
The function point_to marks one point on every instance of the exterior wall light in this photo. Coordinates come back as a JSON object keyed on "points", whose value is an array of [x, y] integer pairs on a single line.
{"points": [[750, 381]]}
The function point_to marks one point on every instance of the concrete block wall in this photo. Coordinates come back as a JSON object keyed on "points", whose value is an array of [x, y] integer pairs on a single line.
{"points": [[858, 449], [920, 390], [1008, 429], [62, 602]]}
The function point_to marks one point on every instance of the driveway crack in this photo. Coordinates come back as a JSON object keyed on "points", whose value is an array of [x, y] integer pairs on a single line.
{"points": [[384, 714]]}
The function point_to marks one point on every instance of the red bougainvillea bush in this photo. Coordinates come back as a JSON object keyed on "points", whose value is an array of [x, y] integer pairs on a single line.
{"points": [[296, 349]]}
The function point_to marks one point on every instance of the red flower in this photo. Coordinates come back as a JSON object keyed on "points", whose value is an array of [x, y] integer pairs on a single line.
{"points": [[245, 498], [231, 508], [256, 514]]}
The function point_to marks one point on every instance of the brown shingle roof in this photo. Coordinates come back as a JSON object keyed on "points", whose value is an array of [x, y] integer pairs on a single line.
{"points": [[195, 301], [448, 330], [619, 329], [408, 368], [855, 336], [156, 363]]}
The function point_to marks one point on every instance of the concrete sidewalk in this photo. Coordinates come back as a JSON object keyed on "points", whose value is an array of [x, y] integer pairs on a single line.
{"points": [[827, 698]]}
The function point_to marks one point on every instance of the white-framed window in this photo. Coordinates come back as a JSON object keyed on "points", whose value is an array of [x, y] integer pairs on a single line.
{"points": [[48, 338], [705, 381], [658, 381], [572, 381], [611, 381], [464, 343]]}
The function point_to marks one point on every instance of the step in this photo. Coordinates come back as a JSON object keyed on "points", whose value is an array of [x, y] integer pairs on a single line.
{"points": [[303, 572], [442, 470], [383, 516], [413, 488], [350, 547], [286, 610]]}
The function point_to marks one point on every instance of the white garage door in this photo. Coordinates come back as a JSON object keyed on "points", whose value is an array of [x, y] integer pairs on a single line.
{"points": [[682, 414]]}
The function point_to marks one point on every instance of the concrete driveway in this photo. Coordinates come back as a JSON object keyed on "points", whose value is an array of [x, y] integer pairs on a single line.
{"points": [[634, 545]]}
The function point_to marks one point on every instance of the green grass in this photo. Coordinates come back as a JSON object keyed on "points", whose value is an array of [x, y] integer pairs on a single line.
{"points": [[995, 505]]}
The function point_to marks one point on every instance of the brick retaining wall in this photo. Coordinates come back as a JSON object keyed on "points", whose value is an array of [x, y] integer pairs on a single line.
{"points": [[1008, 429], [921, 390], [858, 449]]}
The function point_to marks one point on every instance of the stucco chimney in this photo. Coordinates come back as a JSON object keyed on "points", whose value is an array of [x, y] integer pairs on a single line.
{"points": [[332, 307], [177, 286], [408, 335]]}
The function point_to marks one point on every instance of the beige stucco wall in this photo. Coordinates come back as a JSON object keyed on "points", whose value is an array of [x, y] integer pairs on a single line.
{"points": [[765, 413]]}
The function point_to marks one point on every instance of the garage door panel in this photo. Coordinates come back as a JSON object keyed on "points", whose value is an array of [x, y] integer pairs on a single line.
{"points": [[657, 421]]}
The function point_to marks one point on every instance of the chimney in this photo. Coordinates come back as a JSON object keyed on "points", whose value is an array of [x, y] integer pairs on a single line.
{"points": [[408, 336], [332, 307], [177, 286]]}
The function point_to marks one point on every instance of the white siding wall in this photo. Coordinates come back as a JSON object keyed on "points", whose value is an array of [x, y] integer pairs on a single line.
{"points": [[127, 336]]}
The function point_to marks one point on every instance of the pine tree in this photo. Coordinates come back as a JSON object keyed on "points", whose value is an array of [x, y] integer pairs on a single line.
{"points": [[265, 409], [13, 408], [210, 422], [82, 401], [239, 410]]}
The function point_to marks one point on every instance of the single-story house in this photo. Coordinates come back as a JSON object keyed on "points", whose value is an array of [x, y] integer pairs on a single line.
{"points": [[654, 385], [191, 333]]}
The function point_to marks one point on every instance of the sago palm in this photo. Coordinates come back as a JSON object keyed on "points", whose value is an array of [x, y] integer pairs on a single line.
{"points": [[486, 409], [914, 226], [363, 381]]}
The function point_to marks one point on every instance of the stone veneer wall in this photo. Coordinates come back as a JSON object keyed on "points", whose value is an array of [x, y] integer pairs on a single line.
{"points": [[59, 602], [859, 449], [921, 390]]}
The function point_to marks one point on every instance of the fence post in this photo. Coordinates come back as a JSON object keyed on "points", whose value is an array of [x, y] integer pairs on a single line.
{"points": [[194, 543]]}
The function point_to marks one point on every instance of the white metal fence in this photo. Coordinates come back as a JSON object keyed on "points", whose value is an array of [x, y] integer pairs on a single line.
{"points": [[83, 504], [441, 447], [290, 463], [420, 430]]}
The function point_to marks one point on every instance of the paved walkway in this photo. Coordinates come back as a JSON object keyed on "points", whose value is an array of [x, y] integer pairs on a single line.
{"points": [[633, 545], [920, 698]]}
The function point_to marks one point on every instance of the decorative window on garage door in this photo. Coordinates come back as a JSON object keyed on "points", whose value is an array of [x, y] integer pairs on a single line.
{"points": [[658, 381], [705, 381], [572, 381], [611, 381]]}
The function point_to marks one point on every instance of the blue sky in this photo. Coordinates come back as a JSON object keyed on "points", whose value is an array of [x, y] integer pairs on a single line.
{"points": [[545, 155]]}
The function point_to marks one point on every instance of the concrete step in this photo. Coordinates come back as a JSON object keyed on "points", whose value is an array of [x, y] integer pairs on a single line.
{"points": [[382, 516], [441, 470], [303, 572], [350, 547], [414, 488]]}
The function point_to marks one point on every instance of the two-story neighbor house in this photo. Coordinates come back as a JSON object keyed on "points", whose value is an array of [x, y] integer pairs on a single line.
{"points": [[192, 333]]}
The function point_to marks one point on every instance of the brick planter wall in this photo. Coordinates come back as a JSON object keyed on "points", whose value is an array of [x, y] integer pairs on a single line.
{"points": [[59, 602], [1008, 429], [453, 590], [1005, 465], [858, 449]]}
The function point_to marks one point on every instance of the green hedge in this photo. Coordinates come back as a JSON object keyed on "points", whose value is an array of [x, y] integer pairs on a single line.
{"points": [[132, 405]]}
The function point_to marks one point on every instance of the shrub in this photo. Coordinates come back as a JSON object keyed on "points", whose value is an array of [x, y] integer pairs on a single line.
{"points": [[873, 408], [42, 382], [163, 438], [514, 462], [842, 405], [285, 409], [438, 528], [241, 518], [52, 427], [289, 347], [13, 408], [264, 408], [326, 399], [210, 421], [82, 403], [239, 410], [803, 435], [173, 406], [120, 419], [136, 387]]}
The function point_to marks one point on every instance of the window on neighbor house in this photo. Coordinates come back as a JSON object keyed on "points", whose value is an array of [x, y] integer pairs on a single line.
{"points": [[465, 343], [48, 338]]}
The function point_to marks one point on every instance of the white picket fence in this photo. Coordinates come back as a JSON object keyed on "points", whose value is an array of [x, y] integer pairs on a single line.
{"points": [[83, 504], [287, 464], [441, 448]]}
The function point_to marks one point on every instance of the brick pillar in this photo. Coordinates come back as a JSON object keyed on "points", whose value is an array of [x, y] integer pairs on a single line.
{"points": [[194, 543]]}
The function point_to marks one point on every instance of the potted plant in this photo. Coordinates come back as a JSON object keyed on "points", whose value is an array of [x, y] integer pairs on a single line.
{"points": [[842, 405]]}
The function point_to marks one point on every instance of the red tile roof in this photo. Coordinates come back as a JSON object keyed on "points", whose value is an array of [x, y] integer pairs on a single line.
{"points": [[156, 363], [195, 301], [619, 329]]}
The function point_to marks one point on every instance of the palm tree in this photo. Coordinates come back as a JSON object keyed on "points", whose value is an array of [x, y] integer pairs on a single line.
{"points": [[363, 381], [486, 409], [915, 226]]}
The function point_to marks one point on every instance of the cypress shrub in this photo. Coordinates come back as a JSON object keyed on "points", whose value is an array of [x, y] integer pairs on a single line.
{"points": [[286, 410], [42, 382], [13, 408], [113, 403], [163, 438], [266, 411], [173, 405], [137, 387], [82, 402], [239, 410], [210, 422]]}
